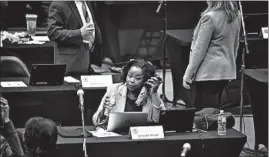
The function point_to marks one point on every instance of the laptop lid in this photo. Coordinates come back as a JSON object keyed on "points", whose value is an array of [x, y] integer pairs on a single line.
{"points": [[177, 120], [121, 121], [47, 74]]}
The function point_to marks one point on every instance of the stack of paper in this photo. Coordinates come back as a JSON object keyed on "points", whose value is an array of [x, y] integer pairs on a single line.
{"points": [[70, 79], [40, 38], [13, 84], [103, 133]]}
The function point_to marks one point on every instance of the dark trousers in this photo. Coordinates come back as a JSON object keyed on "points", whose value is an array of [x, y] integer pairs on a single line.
{"points": [[208, 93]]}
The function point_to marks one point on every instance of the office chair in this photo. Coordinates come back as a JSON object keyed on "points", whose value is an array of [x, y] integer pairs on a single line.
{"points": [[11, 66]]}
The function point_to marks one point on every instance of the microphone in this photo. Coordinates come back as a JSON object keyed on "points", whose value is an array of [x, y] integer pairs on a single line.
{"points": [[80, 93], [186, 148], [159, 7]]}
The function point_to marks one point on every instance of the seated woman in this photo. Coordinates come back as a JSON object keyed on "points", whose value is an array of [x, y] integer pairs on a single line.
{"points": [[137, 93]]}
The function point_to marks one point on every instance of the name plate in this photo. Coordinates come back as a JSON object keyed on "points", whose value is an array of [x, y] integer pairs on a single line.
{"points": [[146, 132], [96, 81]]}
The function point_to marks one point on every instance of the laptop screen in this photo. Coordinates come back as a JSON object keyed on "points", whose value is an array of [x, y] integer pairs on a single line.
{"points": [[47, 74], [177, 120], [122, 121]]}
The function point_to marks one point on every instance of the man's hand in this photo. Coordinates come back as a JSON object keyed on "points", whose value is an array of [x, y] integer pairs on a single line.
{"points": [[4, 110], [87, 31]]}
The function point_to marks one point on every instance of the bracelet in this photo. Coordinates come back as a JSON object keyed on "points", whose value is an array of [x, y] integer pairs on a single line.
{"points": [[156, 106]]}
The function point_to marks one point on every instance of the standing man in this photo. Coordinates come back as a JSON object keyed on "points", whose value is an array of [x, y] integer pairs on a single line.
{"points": [[77, 37]]}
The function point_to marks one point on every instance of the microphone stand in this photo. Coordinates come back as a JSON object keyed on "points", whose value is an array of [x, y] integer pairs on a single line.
{"points": [[163, 49], [245, 50], [163, 46], [83, 128]]}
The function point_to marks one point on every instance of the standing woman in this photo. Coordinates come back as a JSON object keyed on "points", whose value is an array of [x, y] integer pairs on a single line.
{"points": [[212, 61]]}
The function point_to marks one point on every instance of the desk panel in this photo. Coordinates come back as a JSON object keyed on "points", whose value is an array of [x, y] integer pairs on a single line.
{"points": [[59, 103], [31, 54], [203, 145]]}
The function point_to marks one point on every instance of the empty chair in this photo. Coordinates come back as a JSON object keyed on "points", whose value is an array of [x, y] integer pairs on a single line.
{"points": [[11, 66]]}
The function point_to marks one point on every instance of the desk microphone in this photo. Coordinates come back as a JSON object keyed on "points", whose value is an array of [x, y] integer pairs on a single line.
{"points": [[80, 94], [186, 148]]}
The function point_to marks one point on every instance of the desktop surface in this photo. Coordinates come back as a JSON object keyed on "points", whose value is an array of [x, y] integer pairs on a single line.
{"points": [[208, 144]]}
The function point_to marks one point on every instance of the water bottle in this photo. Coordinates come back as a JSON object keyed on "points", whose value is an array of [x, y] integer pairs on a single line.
{"points": [[112, 102], [222, 123]]}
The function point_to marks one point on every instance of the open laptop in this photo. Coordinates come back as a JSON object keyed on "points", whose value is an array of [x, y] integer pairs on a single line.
{"points": [[47, 74], [121, 121], [177, 120]]}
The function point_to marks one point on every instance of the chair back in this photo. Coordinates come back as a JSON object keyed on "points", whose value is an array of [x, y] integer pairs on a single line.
{"points": [[11, 66]]}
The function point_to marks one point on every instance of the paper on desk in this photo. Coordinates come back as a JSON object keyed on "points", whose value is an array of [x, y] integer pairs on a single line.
{"points": [[34, 42], [70, 79], [40, 38], [103, 133], [13, 84]]}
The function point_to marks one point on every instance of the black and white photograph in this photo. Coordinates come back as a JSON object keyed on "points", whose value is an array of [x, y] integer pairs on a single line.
{"points": [[84, 78]]}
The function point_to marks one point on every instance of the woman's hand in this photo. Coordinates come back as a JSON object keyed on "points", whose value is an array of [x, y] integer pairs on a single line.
{"points": [[107, 103], [186, 84], [4, 110], [154, 83]]}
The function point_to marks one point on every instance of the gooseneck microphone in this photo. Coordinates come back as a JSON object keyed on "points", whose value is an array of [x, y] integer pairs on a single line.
{"points": [[80, 94], [186, 148]]}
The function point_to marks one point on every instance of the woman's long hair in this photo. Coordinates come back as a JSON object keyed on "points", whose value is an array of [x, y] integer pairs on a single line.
{"points": [[230, 8]]}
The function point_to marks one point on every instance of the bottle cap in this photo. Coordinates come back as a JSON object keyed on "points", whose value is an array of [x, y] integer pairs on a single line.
{"points": [[221, 111]]}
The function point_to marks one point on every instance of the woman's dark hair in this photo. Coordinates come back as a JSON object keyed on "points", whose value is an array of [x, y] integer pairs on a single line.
{"points": [[147, 68], [40, 135]]}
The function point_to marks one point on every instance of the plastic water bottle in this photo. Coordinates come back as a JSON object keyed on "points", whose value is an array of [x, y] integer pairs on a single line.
{"points": [[111, 104], [222, 123]]}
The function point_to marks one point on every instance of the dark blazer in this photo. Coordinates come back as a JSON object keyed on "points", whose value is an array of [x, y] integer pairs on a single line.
{"points": [[64, 24], [214, 48]]}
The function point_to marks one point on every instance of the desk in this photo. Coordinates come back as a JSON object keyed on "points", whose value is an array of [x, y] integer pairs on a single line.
{"points": [[178, 48], [59, 103], [258, 53], [257, 83], [203, 144], [31, 54]]}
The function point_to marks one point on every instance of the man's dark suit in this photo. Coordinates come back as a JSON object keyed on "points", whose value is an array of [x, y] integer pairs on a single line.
{"points": [[64, 28]]}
